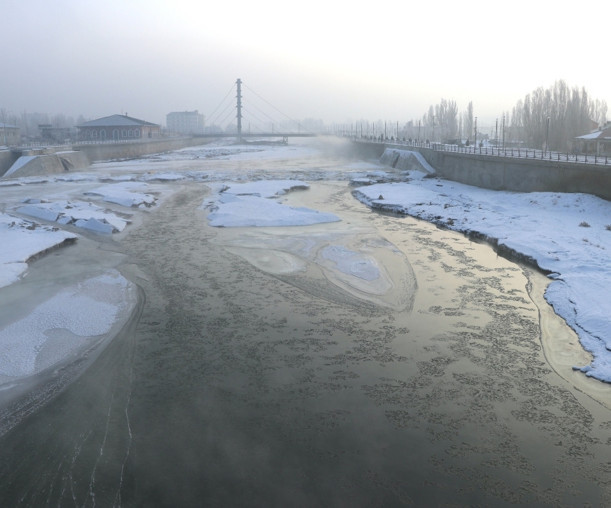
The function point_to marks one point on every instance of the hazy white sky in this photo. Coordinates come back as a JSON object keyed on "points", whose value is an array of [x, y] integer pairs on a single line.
{"points": [[335, 60]]}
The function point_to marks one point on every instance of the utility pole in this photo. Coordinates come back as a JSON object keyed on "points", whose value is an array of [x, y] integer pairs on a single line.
{"points": [[496, 133], [239, 107]]}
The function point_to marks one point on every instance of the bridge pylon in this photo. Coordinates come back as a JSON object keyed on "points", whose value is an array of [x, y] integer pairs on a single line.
{"points": [[239, 108]]}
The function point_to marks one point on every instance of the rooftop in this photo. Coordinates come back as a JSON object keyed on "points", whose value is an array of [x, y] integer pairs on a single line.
{"points": [[117, 121], [602, 133]]}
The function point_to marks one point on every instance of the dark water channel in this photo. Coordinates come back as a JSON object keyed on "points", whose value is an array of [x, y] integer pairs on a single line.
{"points": [[237, 386]]}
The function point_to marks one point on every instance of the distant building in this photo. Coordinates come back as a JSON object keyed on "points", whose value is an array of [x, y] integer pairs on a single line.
{"points": [[9, 134], [54, 134], [117, 127], [185, 122], [596, 142]]}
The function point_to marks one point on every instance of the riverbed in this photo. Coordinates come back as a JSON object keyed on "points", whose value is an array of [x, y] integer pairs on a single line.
{"points": [[255, 372]]}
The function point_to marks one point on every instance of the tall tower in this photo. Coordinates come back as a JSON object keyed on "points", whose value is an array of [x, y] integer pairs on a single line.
{"points": [[239, 107]]}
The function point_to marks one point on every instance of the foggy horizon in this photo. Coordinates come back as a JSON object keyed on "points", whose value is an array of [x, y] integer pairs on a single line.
{"points": [[340, 63]]}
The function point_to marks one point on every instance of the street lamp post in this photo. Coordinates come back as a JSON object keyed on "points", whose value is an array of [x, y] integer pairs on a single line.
{"points": [[547, 136]]}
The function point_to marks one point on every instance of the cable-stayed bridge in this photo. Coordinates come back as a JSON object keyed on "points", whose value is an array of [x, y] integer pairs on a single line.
{"points": [[255, 117]]}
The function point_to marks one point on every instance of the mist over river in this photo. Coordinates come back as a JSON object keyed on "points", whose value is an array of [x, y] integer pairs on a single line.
{"points": [[256, 372]]}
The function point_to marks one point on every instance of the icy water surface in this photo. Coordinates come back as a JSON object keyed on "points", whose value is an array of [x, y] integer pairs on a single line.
{"points": [[258, 372]]}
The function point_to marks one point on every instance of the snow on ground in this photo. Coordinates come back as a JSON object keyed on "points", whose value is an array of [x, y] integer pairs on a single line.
{"points": [[568, 235], [21, 240], [74, 319], [250, 204]]}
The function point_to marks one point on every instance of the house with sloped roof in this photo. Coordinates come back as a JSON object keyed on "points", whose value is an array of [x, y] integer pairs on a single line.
{"points": [[597, 142], [9, 134], [117, 127]]}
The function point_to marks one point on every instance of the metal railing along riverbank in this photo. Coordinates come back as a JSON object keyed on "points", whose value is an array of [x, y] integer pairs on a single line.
{"points": [[492, 151]]}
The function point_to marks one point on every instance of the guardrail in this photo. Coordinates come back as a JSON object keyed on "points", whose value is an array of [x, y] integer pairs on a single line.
{"points": [[492, 151]]}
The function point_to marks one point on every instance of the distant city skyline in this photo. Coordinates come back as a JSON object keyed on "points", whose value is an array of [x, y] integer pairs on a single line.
{"points": [[338, 62]]}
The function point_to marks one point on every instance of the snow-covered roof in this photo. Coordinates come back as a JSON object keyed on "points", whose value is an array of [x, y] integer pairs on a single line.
{"points": [[597, 134], [117, 121]]}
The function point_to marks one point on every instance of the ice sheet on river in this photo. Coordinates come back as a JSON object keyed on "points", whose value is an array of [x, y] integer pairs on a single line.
{"points": [[70, 322], [355, 267], [248, 204]]}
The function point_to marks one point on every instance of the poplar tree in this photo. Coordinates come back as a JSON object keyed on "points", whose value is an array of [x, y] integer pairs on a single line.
{"points": [[556, 115]]}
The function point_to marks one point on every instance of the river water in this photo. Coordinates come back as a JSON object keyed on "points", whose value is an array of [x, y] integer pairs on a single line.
{"points": [[255, 374]]}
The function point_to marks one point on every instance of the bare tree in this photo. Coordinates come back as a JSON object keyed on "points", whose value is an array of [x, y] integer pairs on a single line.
{"points": [[552, 118], [468, 121]]}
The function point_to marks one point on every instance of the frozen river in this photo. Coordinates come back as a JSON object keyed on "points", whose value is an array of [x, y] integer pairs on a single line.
{"points": [[375, 360]]}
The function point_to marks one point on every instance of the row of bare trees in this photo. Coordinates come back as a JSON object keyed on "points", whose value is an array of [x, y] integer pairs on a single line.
{"points": [[546, 118], [442, 122], [552, 118]]}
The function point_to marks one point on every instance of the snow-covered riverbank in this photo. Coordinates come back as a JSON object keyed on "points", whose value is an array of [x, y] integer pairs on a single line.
{"points": [[567, 235]]}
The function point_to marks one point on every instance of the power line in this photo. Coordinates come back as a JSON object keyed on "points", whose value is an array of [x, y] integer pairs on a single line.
{"points": [[272, 106], [212, 117]]}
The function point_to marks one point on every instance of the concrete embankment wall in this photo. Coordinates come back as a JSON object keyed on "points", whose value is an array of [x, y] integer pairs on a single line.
{"points": [[108, 151], [406, 160], [511, 173], [7, 159], [45, 164], [522, 175], [49, 160]]}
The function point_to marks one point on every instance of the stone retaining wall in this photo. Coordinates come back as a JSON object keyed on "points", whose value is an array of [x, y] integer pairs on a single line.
{"points": [[108, 151], [510, 173]]}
